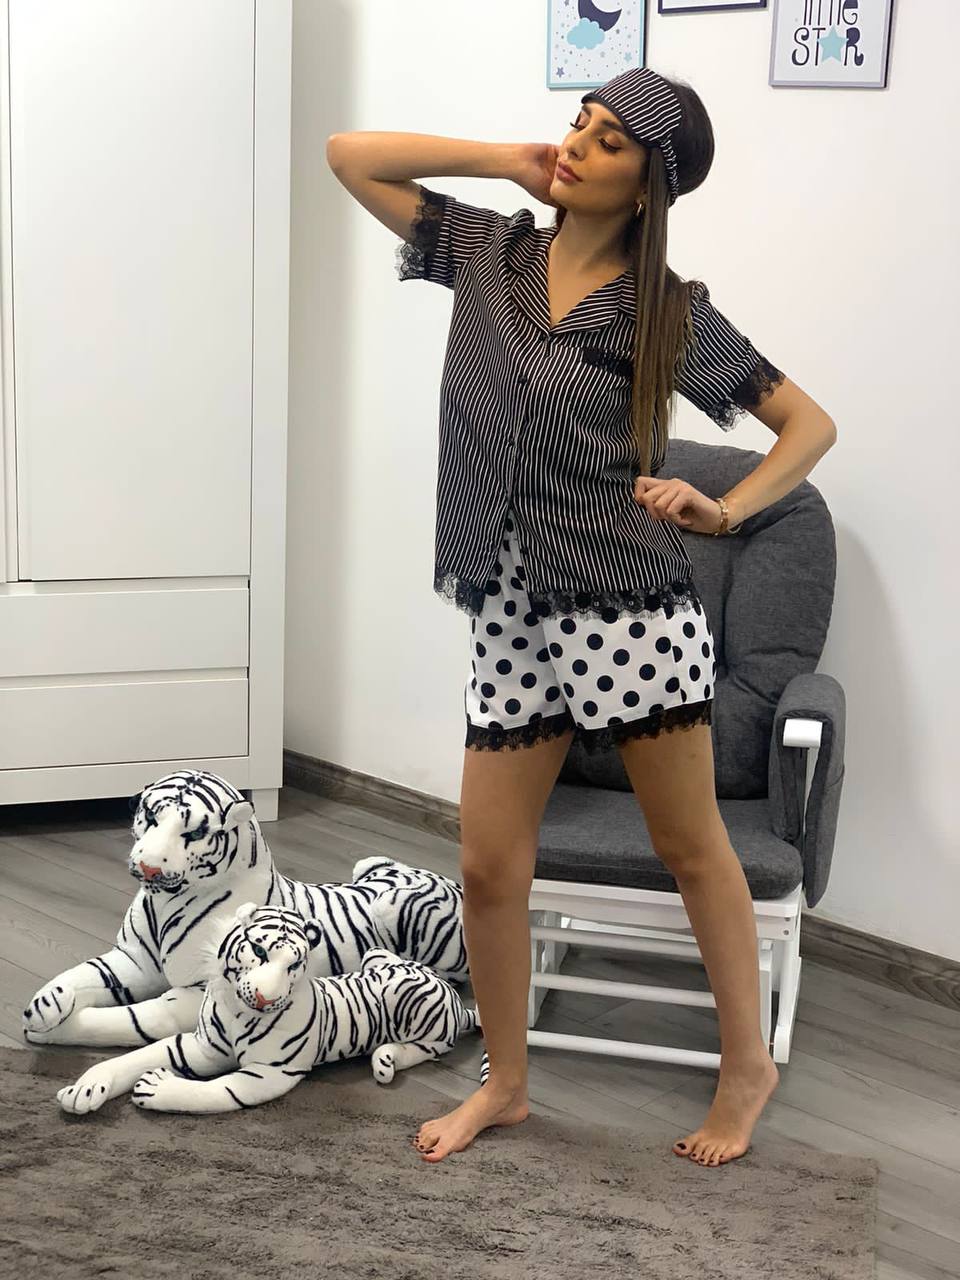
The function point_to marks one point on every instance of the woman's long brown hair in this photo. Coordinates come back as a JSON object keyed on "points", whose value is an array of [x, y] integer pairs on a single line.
{"points": [[663, 329]]}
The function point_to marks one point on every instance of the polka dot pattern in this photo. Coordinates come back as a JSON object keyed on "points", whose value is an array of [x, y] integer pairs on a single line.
{"points": [[608, 678]]}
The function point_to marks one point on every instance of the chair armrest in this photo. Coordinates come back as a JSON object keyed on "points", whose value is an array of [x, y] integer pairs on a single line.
{"points": [[810, 826]]}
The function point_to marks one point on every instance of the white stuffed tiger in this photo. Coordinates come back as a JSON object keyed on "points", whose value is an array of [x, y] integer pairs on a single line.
{"points": [[264, 1024], [199, 852]]}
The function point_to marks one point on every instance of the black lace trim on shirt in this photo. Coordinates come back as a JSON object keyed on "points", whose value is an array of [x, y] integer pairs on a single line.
{"points": [[664, 720], [413, 256], [760, 383], [465, 595], [671, 597]]}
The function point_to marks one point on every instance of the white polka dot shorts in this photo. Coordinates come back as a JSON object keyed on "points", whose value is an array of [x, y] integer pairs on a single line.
{"points": [[609, 678]]}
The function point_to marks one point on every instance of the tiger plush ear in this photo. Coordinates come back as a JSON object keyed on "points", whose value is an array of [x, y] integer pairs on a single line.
{"points": [[238, 811], [242, 915], [314, 935]]}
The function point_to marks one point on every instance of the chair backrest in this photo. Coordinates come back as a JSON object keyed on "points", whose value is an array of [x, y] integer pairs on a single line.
{"points": [[768, 595]]}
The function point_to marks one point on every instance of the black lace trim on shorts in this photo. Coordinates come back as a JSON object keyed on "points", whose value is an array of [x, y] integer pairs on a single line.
{"points": [[679, 596], [413, 255], [540, 729], [543, 728]]}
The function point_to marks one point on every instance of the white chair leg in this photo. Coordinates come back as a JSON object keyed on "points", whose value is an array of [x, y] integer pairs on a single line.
{"points": [[549, 952], [765, 962], [534, 994], [559, 921], [790, 965], [545, 957]]}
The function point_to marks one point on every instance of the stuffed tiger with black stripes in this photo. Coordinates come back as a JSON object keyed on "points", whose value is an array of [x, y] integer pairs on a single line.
{"points": [[264, 1024], [199, 851]]}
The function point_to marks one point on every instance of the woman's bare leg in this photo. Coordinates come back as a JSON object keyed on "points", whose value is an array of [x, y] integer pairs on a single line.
{"points": [[673, 778], [502, 801]]}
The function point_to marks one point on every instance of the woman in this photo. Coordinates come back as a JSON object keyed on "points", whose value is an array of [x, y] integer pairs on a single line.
{"points": [[566, 345]]}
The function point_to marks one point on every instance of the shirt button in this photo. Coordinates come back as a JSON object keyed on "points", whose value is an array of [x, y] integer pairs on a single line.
{"points": [[523, 378]]}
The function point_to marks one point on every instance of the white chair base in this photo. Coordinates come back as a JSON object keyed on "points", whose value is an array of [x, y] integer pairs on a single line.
{"points": [[650, 922]]}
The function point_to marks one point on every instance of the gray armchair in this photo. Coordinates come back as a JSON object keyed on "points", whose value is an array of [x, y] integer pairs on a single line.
{"points": [[768, 593]]}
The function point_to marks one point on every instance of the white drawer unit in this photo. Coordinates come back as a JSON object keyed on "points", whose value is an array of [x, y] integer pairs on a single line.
{"points": [[144, 283], [101, 722]]}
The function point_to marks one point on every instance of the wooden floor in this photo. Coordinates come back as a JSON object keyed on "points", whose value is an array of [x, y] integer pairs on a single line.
{"points": [[872, 1071]]}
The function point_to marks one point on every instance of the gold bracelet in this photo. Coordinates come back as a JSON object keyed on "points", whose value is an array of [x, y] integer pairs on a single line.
{"points": [[724, 517]]}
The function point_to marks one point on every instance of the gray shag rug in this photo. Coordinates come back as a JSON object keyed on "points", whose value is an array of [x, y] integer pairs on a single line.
{"points": [[324, 1182]]}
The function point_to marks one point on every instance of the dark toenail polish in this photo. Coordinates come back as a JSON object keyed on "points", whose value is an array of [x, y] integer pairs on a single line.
{"points": [[682, 1146]]}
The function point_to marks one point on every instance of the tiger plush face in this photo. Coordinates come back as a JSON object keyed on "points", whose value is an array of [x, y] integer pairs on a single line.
{"points": [[264, 956], [188, 828]]}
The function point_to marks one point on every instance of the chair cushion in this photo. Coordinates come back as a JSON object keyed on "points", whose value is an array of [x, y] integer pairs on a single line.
{"points": [[596, 836]]}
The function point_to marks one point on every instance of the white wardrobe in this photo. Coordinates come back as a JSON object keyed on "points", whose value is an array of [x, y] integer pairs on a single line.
{"points": [[144, 251]]}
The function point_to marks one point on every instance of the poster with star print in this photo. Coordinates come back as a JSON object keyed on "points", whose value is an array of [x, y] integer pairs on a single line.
{"points": [[830, 44], [591, 41]]}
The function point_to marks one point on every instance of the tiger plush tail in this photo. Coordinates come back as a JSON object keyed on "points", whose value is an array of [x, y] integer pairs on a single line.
{"points": [[471, 1020]]}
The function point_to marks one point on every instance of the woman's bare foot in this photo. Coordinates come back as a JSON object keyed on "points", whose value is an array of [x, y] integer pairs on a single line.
{"points": [[741, 1095], [489, 1105]]}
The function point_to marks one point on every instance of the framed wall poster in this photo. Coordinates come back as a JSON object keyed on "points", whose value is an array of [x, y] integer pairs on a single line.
{"points": [[831, 44], [591, 41], [707, 6]]}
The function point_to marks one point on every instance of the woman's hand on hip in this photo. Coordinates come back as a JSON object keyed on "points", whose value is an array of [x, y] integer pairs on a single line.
{"points": [[678, 502]]}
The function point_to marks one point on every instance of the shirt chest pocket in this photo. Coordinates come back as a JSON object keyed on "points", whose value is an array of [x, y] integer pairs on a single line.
{"points": [[602, 384], [611, 361]]}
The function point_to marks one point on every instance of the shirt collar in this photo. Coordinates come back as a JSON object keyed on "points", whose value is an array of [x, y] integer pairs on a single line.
{"points": [[528, 288]]}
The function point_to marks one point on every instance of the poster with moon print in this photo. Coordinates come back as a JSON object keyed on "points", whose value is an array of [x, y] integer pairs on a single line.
{"points": [[591, 41], [830, 44]]}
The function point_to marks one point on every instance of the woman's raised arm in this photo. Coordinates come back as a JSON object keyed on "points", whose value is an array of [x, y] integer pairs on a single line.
{"points": [[378, 168]]}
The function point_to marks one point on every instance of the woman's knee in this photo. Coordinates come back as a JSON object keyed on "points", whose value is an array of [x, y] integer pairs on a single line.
{"points": [[687, 847], [501, 875]]}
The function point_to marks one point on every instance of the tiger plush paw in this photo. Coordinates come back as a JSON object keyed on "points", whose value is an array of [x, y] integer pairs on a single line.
{"points": [[52, 1005], [95, 1087], [61, 1034], [383, 1062], [159, 1090]]}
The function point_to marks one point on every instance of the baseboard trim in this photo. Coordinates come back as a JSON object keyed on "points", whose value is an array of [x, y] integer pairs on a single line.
{"points": [[891, 964], [402, 804]]}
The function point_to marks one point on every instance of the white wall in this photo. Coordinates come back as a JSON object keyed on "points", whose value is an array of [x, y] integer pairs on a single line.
{"points": [[826, 231]]}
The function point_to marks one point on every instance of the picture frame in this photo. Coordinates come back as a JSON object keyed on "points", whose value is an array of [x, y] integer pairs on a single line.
{"points": [[707, 6], [830, 44], [589, 46]]}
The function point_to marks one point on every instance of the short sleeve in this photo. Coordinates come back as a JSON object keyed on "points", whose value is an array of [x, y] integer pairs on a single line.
{"points": [[445, 233], [722, 372]]}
